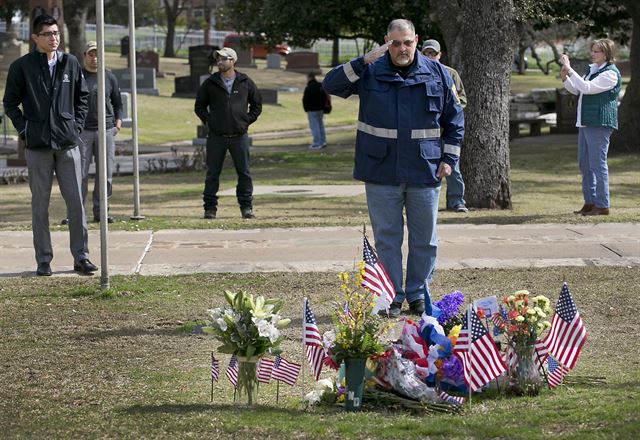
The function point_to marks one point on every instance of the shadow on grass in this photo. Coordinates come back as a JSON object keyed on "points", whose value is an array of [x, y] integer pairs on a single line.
{"points": [[134, 332], [176, 408], [511, 219]]}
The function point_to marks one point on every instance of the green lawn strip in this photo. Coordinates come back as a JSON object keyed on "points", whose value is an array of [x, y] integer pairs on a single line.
{"points": [[544, 175], [78, 363]]}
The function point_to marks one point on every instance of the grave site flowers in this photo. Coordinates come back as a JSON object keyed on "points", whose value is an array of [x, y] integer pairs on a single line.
{"points": [[247, 327], [433, 364]]}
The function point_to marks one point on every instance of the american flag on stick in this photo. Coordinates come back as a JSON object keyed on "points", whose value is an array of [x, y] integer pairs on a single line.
{"points": [[215, 368], [232, 371], [285, 371], [476, 350], [376, 279], [312, 340], [451, 399], [265, 368], [555, 372], [567, 334]]}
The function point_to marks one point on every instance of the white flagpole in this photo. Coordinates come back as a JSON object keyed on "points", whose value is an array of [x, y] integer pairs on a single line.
{"points": [[102, 149], [134, 112]]}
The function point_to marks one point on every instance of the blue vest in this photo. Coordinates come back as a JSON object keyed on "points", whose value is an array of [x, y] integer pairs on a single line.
{"points": [[601, 109]]}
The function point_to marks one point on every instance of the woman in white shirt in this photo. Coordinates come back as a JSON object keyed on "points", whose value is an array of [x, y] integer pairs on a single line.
{"points": [[597, 117]]}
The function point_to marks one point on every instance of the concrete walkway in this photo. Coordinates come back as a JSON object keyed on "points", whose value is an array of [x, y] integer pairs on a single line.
{"points": [[170, 252]]}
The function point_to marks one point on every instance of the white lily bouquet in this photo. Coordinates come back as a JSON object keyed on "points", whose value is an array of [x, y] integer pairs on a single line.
{"points": [[247, 327]]}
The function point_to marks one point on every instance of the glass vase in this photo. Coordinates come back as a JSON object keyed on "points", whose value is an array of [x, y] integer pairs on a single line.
{"points": [[247, 379], [525, 377]]}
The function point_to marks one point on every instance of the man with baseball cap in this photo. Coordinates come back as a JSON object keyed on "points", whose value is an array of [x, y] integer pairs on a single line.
{"points": [[227, 103], [455, 182], [113, 111]]}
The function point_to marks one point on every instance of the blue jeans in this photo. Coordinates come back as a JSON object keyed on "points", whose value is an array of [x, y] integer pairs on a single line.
{"points": [[217, 147], [593, 146], [386, 205], [455, 188], [316, 125]]}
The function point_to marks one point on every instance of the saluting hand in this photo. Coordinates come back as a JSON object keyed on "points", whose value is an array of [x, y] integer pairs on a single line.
{"points": [[376, 53]]}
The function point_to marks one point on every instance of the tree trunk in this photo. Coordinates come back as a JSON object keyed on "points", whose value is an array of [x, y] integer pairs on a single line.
{"points": [[448, 16], [627, 138], [335, 52], [170, 9], [489, 41], [75, 17]]}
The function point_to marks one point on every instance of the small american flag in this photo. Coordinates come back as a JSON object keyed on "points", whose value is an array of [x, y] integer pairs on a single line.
{"points": [[375, 277], [232, 370], [265, 367], [451, 399], [567, 334], [347, 315], [312, 341], [555, 372], [497, 320], [285, 371], [480, 358], [215, 368]]}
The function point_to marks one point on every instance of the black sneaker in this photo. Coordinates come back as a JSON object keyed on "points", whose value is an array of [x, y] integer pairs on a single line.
{"points": [[65, 221], [417, 307], [210, 214], [247, 213]]}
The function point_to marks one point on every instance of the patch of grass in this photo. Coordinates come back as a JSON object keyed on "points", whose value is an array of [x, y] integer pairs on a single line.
{"points": [[129, 367], [544, 175]]}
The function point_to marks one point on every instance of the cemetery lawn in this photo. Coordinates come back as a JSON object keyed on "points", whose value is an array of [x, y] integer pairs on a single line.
{"points": [[125, 363], [545, 189]]}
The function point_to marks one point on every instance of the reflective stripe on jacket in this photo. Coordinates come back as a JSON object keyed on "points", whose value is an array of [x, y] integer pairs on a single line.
{"points": [[406, 126]]}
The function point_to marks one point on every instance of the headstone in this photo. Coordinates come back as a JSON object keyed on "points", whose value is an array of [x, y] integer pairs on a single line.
{"points": [[269, 96], [566, 112], [245, 58], [124, 46], [126, 109], [303, 62], [147, 59], [274, 60], [200, 58], [145, 81], [199, 63]]}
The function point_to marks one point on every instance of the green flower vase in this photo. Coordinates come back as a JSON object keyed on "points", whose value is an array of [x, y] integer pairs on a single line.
{"points": [[354, 379]]}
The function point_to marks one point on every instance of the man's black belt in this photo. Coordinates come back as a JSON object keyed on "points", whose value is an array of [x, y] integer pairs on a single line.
{"points": [[229, 135]]}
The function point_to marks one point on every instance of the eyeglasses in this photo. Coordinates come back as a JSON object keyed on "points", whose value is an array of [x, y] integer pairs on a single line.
{"points": [[431, 53], [221, 58], [49, 34], [398, 43]]}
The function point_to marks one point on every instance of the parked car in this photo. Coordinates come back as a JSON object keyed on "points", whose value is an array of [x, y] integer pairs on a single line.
{"points": [[259, 50]]}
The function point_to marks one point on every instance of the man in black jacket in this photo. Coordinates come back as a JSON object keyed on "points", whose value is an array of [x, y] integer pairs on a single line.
{"points": [[314, 100], [51, 89], [227, 103]]}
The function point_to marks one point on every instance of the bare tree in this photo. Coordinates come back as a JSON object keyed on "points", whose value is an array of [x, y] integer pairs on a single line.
{"points": [[172, 10]]}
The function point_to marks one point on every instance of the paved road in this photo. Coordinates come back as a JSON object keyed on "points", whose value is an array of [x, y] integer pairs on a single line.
{"points": [[170, 252]]}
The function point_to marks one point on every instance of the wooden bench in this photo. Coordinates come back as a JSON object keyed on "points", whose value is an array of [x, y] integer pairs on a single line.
{"points": [[535, 126]]}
